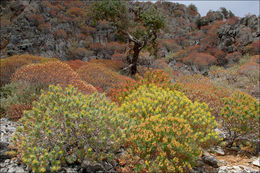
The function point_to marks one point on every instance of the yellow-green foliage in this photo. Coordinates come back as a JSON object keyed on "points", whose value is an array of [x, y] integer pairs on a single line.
{"points": [[241, 115], [165, 144], [65, 122], [150, 104]]}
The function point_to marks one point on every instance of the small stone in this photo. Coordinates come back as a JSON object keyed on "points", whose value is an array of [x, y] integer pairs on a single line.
{"points": [[4, 170], [210, 160], [92, 166], [257, 162], [19, 169], [107, 166], [7, 161], [219, 151], [71, 170]]}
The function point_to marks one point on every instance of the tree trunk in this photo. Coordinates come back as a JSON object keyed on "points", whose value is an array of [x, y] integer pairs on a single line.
{"points": [[136, 50]]}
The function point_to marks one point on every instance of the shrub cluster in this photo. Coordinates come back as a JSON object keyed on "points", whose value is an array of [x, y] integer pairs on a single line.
{"points": [[9, 65], [46, 74], [66, 126], [49, 73], [241, 115], [202, 89], [243, 75], [76, 64], [165, 129], [116, 47], [115, 65], [200, 59], [100, 77], [157, 77], [16, 97]]}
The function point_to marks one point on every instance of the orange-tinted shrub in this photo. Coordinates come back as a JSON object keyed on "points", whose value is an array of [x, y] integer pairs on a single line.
{"points": [[233, 20], [76, 64], [200, 59], [116, 46], [249, 67], [256, 46], [37, 19], [44, 27], [211, 38], [45, 74], [60, 33], [76, 11], [100, 77], [64, 18], [199, 88], [162, 64], [255, 59], [15, 112], [83, 87], [54, 7], [233, 57], [114, 65], [87, 29], [157, 77], [81, 36], [170, 44], [79, 53], [219, 54], [118, 56], [9, 65], [96, 47], [73, 3]]}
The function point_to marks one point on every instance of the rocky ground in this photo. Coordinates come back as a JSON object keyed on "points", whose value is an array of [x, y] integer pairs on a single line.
{"points": [[220, 162]]}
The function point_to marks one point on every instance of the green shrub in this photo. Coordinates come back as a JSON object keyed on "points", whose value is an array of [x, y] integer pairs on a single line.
{"points": [[241, 116], [18, 93], [157, 110], [66, 126]]}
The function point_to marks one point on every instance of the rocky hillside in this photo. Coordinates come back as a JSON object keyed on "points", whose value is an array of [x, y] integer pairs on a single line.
{"points": [[65, 30]]}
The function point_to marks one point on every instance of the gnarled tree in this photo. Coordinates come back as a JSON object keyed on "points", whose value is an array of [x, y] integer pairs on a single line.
{"points": [[138, 25]]}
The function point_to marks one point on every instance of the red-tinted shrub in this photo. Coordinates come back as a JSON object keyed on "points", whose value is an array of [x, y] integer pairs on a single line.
{"points": [[76, 11], [157, 77], [45, 27], [83, 87], [87, 29], [37, 19], [255, 59], [60, 33], [114, 65], [233, 57], [76, 64], [9, 65], [256, 46], [96, 47], [116, 46], [100, 77], [200, 59], [199, 88], [118, 56], [170, 44], [15, 112], [81, 36], [79, 53], [249, 67], [45, 74], [233, 20]]}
